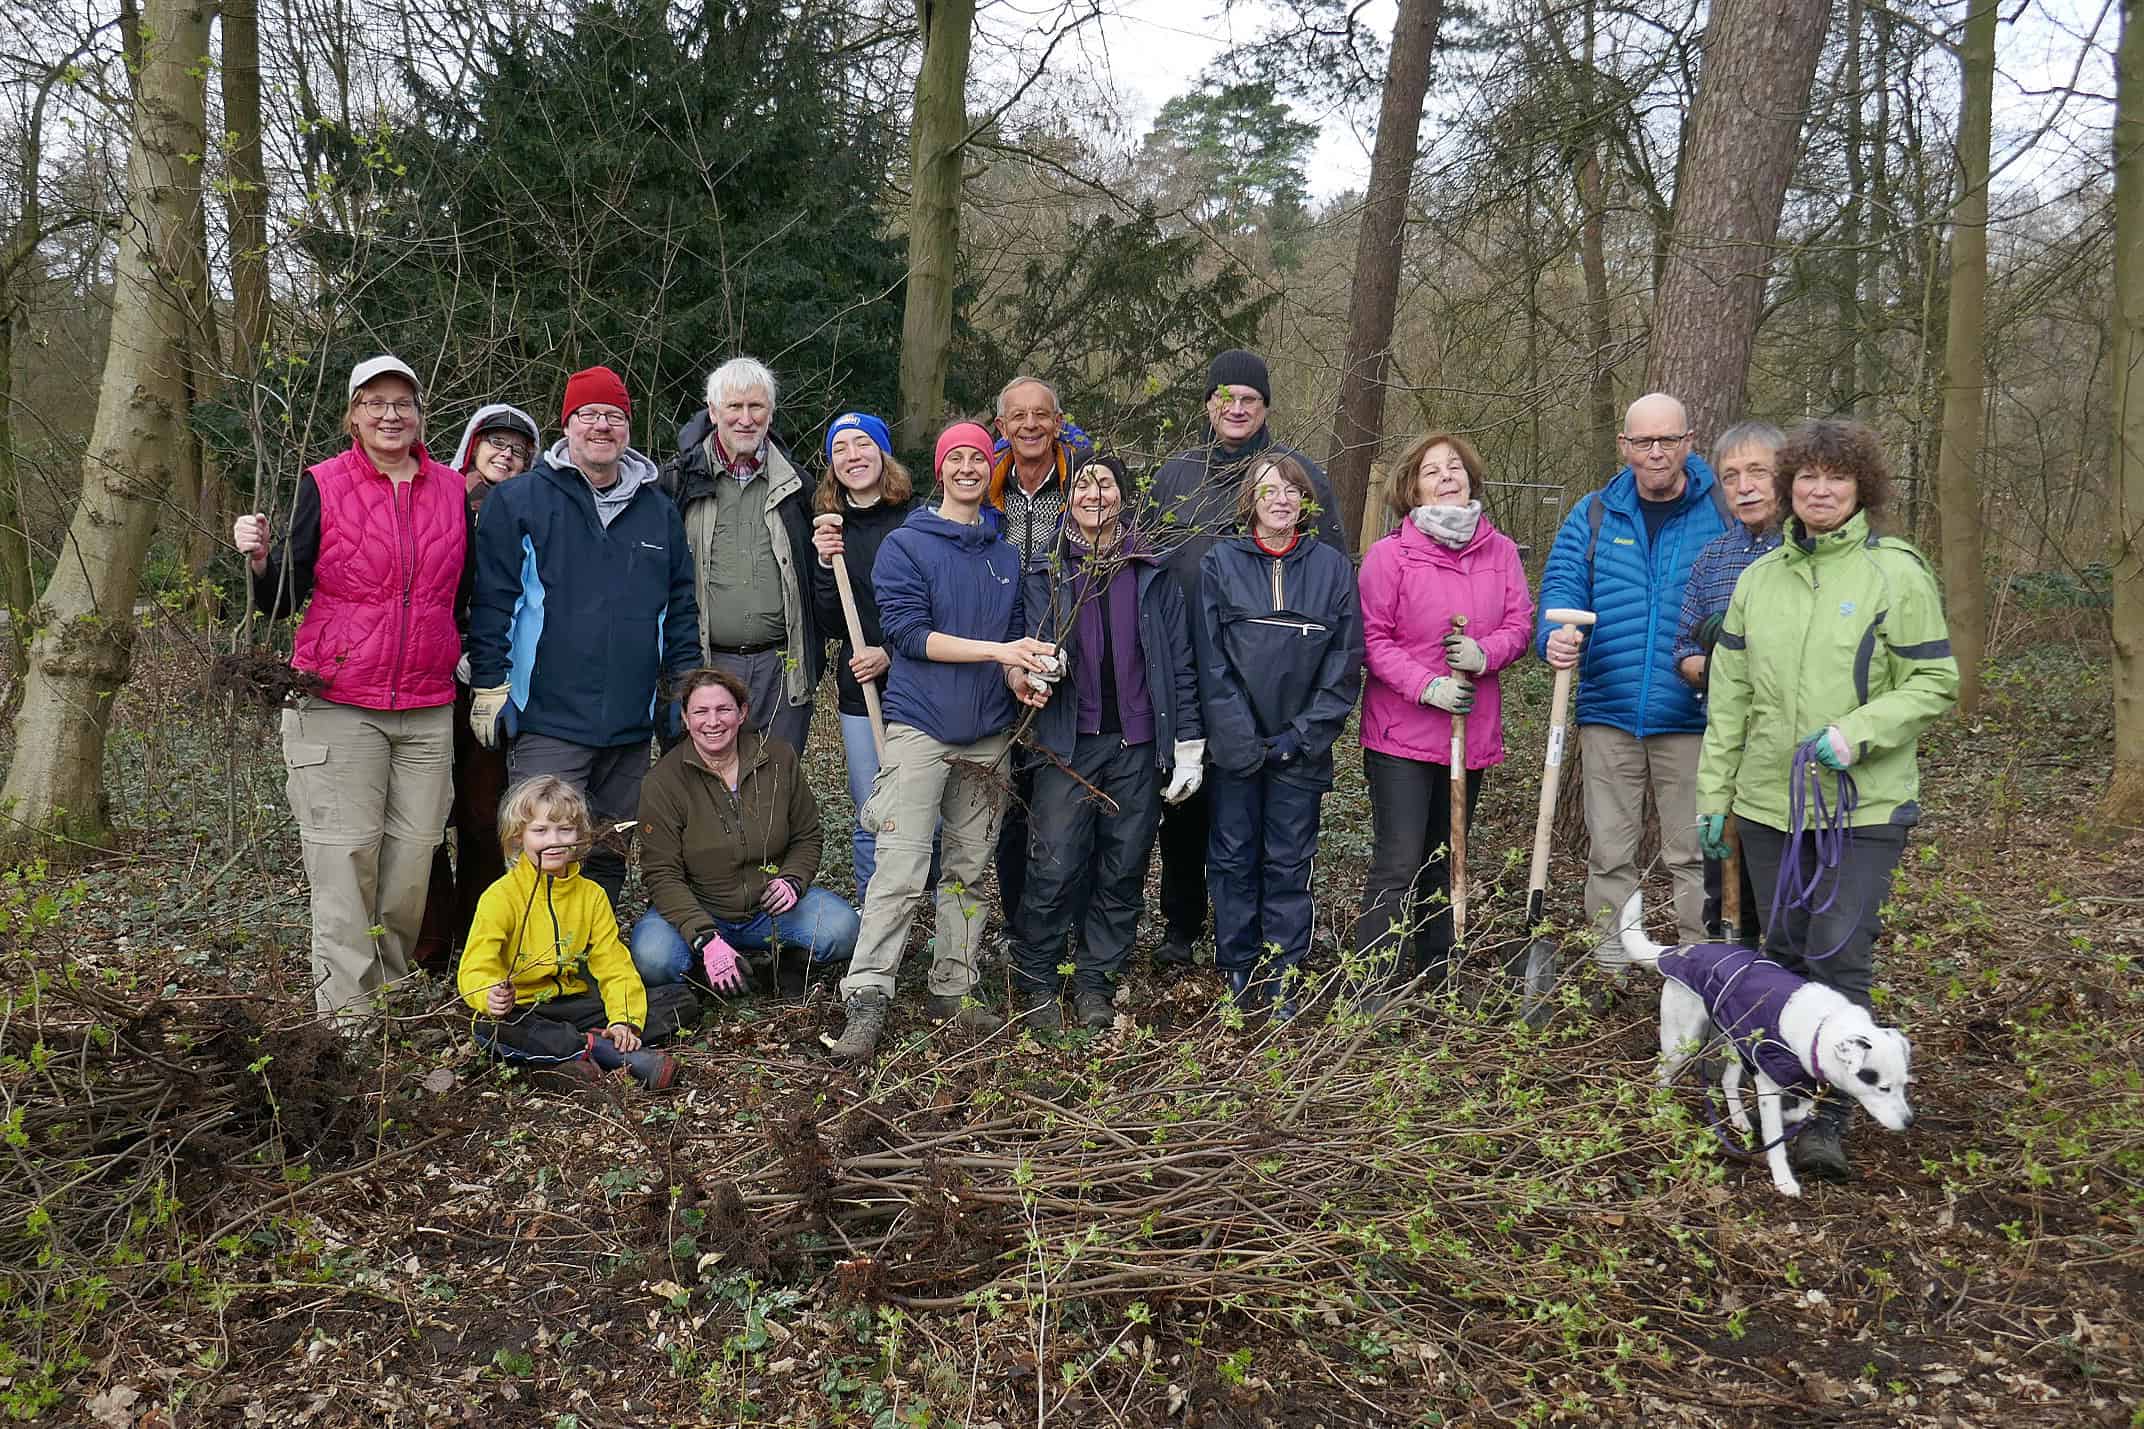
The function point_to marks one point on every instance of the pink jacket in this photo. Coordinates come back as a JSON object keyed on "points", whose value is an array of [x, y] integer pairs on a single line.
{"points": [[1411, 587], [380, 628]]}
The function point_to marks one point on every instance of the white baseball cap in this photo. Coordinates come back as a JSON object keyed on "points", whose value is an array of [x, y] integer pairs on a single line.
{"points": [[382, 366]]}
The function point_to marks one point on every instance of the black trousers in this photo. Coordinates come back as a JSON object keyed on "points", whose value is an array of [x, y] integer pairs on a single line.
{"points": [[1013, 840], [1748, 929], [1837, 946], [557, 1031], [1407, 895], [1084, 856], [1185, 830]]}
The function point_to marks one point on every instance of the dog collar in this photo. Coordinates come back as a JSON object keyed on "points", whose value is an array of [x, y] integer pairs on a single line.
{"points": [[1816, 1039]]}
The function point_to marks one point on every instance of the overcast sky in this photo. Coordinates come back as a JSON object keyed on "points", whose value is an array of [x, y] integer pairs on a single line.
{"points": [[1154, 49]]}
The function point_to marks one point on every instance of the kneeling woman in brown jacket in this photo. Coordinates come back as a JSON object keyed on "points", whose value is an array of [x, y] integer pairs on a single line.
{"points": [[729, 842]]}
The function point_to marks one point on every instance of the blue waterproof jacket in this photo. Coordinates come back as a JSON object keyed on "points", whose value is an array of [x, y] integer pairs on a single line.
{"points": [[1172, 680], [1605, 563], [588, 624], [1280, 656], [934, 574]]}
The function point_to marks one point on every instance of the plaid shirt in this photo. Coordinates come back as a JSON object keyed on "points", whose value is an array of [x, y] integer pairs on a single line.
{"points": [[1712, 583]]}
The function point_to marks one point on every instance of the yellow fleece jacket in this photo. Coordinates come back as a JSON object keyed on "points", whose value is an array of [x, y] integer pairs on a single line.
{"points": [[547, 935]]}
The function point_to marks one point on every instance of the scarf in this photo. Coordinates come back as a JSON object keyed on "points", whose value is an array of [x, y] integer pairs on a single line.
{"points": [[1452, 526]]}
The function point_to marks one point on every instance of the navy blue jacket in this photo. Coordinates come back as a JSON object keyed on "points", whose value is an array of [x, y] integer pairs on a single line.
{"points": [[1635, 585], [586, 623], [934, 574], [1191, 503], [1280, 656], [1172, 679]]}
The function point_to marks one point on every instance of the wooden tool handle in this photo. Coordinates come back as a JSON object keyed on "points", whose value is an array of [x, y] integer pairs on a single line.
{"points": [[856, 639], [1551, 779], [1458, 842], [1731, 884]]}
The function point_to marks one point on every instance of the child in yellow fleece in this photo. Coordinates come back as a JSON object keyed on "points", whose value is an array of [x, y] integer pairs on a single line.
{"points": [[541, 933]]}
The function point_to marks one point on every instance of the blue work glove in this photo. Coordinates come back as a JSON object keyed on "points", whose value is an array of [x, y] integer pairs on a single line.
{"points": [[1832, 750], [1712, 835], [1282, 748]]}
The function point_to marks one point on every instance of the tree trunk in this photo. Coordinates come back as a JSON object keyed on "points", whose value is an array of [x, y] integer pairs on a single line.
{"points": [[14, 536], [1847, 394], [247, 203], [941, 123], [1358, 426], [2124, 805], [1760, 56], [1965, 380], [85, 623]]}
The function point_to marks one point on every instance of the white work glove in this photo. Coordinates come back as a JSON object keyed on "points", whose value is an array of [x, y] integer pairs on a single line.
{"points": [[1187, 773], [1450, 693], [1042, 681], [484, 708], [1463, 654], [461, 670]]}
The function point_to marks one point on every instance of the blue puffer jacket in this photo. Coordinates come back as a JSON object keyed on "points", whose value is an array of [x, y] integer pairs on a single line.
{"points": [[583, 621], [1164, 639], [1280, 656], [935, 574], [1635, 586]]}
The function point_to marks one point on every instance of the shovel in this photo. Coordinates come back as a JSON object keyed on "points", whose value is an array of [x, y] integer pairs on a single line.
{"points": [[1536, 966]]}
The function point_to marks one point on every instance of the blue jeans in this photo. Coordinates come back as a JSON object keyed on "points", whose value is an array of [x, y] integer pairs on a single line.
{"points": [[822, 923], [863, 768]]}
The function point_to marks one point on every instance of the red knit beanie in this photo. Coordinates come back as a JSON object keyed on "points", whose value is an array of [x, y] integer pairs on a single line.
{"points": [[960, 434], [595, 384]]}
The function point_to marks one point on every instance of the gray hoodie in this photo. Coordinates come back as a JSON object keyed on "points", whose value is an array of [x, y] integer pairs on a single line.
{"points": [[634, 470], [493, 415]]}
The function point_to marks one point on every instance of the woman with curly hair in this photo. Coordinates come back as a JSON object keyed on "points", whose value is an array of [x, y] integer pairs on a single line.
{"points": [[1833, 658]]}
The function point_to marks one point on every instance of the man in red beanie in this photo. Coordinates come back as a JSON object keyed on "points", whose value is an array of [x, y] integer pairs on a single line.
{"points": [[584, 616]]}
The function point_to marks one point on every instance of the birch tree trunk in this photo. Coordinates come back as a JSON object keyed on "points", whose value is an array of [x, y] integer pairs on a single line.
{"points": [[1760, 56], [1359, 424], [941, 124], [1965, 380], [2123, 808], [84, 622]]}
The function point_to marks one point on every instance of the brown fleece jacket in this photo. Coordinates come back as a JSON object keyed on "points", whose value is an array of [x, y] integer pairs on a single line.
{"points": [[705, 851]]}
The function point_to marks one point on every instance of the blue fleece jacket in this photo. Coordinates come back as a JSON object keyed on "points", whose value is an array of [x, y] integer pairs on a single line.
{"points": [[581, 620], [934, 574], [1635, 585]]}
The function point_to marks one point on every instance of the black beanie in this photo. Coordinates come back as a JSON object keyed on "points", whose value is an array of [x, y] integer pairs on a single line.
{"points": [[1237, 368], [1113, 464]]}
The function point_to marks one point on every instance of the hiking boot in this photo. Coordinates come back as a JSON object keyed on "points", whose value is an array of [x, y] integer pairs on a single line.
{"points": [[1041, 1015], [657, 1071], [867, 1019], [1096, 1009], [1820, 1151], [960, 1010], [1175, 952]]}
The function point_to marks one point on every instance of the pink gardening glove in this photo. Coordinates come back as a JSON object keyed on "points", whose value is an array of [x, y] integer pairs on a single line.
{"points": [[723, 974]]}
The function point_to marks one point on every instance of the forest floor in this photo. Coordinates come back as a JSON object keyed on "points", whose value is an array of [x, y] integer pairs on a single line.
{"points": [[212, 1213]]}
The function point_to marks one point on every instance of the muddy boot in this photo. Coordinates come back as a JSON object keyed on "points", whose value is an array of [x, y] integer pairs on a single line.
{"points": [[867, 1019], [1820, 1150], [657, 1071], [1175, 954], [963, 1011], [1095, 1008], [1040, 1014]]}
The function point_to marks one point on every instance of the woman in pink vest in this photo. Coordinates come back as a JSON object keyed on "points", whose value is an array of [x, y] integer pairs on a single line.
{"points": [[1443, 559], [377, 559]]}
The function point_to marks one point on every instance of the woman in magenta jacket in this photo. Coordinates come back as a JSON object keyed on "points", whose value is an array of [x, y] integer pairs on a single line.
{"points": [[1443, 559], [377, 557]]}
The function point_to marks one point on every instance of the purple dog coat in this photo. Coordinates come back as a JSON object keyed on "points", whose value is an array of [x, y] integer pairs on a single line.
{"points": [[1746, 994]]}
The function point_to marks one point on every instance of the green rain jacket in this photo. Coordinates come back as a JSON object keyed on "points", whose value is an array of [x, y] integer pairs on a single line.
{"points": [[1843, 628]]}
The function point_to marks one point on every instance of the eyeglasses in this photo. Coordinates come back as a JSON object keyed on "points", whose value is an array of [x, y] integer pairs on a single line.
{"points": [[380, 407], [519, 449], [1249, 403], [1657, 444], [596, 417]]}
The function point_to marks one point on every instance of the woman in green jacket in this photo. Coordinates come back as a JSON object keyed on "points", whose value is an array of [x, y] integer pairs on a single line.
{"points": [[1836, 641]]}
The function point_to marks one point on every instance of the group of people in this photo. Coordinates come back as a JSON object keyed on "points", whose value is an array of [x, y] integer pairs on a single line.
{"points": [[1045, 668]]}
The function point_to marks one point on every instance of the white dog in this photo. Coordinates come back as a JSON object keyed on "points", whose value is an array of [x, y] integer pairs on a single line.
{"points": [[1797, 1036]]}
